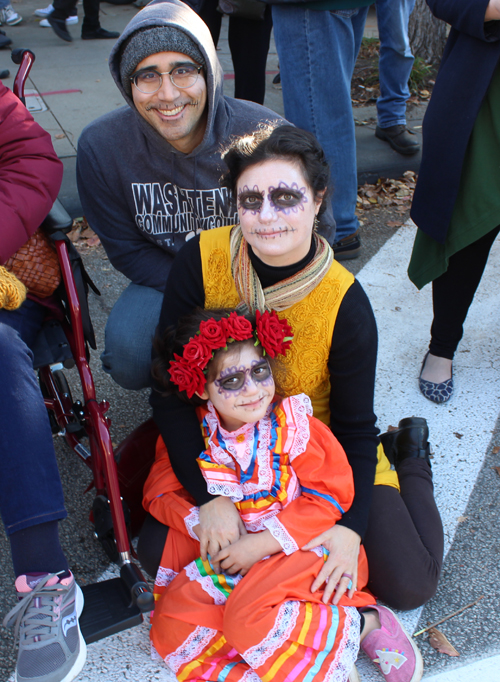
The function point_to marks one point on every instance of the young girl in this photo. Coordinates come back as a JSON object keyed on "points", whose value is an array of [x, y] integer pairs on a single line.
{"points": [[248, 612]]}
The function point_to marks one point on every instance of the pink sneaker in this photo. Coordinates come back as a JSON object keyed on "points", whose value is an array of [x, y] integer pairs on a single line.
{"points": [[392, 649]]}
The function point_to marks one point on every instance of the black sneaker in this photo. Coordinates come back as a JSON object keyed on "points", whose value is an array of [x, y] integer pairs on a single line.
{"points": [[401, 139], [59, 27], [4, 41], [99, 33], [347, 248]]}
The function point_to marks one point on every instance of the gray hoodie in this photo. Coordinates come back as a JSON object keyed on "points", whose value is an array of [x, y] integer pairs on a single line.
{"points": [[142, 197]]}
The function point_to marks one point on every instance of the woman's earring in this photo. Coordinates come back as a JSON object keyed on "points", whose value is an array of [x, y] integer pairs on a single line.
{"points": [[316, 223]]}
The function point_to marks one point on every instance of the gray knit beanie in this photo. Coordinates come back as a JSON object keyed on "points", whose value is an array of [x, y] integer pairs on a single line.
{"points": [[149, 41]]}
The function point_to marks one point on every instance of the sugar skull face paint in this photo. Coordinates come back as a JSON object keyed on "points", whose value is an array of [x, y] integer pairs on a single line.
{"points": [[277, 209], [282, 198], [244, 389]]}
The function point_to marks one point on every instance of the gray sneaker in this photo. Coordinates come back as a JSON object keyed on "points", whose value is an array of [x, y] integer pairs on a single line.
{"points": [[51, 646], [9, 17]]}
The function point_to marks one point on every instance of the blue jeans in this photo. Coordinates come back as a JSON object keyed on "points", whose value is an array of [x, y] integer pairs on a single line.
{"points": [[30, 487], [396, 60], [317, 51], [129, 335]]}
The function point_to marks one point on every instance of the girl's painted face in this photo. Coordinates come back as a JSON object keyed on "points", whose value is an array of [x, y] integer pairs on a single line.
{"points": [[243, 389], [277, 209]]}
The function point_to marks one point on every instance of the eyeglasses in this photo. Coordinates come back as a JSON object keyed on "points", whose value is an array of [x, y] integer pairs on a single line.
{"points": [[150, 81]]}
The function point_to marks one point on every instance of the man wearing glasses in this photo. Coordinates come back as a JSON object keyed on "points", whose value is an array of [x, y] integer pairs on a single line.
{"points": [[148, 174]]}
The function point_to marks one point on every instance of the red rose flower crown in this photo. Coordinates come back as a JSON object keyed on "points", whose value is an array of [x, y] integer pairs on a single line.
{"points": [[188, 371]]}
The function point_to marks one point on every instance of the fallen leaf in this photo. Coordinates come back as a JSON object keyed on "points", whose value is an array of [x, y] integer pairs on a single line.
{"points": [[497, 469], [462, 519], [60, 136], [94, 241], [394, 223], [74, 235], [392, 428], [496, 450], [397, 308], [458, 435], [439, 642]]}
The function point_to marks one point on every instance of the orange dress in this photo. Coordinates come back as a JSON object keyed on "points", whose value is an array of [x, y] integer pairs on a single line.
{"points": [[287, 474]]}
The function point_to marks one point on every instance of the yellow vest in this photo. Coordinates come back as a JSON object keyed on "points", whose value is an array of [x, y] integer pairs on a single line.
{"points": [[304, 369]]}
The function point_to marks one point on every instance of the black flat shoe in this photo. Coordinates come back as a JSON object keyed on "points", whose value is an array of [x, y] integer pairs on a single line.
{"points": [[409, 440], [59, 27], [99, 33]]}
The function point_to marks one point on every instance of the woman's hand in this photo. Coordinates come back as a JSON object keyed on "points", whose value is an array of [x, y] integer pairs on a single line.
{"points": [[247, 551], [343, 545], [493, 11], [220, 525]]}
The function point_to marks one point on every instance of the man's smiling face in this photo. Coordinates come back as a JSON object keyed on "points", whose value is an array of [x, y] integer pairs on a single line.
{"points": [[178, 114]]}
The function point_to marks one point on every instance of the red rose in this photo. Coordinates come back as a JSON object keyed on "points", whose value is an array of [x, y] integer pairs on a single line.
{"points": [[212, 334], [237, 327], [197, 352], [274, 334], [186, 376]]}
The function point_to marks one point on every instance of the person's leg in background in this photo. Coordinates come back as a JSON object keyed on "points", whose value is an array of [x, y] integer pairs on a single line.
{"points": [[91, 27], [8, 16], [249, 44], [452, 296], [212, 18], [129, 336], [31, 505], [317, 51], [395, 65]]}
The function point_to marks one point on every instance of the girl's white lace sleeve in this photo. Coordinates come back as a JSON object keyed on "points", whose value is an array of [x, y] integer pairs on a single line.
{"points": [[280, 533], [193, 519]]}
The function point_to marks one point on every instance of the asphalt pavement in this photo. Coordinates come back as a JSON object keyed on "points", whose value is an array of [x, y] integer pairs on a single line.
{"points": [[70, 86]]}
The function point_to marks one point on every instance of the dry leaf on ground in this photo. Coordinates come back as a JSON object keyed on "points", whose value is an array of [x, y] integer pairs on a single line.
{"points": [[497, 469], [496, 450], [439, 642], [83, 234]]}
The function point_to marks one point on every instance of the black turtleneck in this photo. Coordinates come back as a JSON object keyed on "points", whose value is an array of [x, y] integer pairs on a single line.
{"points": [[351, 365]]}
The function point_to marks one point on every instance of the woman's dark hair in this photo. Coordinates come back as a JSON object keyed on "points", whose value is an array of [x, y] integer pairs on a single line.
{"points": [[284, 142], [174, 340]]}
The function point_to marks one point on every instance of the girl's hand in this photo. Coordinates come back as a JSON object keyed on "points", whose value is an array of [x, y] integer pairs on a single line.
{"points": [[343, 545], [247, 551], [220, 525]]}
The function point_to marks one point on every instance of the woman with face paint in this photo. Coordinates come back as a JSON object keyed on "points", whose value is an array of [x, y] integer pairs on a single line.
{"points": [[275, 260], [289, 479]]}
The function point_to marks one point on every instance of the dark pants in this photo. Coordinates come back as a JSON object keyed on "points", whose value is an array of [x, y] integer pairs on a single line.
{"points": [[403, 542], [453, 292], [65, 8], [249, 45], [404, 539]]}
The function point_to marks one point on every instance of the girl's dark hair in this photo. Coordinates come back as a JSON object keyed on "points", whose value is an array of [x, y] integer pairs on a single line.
{"points": [[174, 340], [284, 142]]}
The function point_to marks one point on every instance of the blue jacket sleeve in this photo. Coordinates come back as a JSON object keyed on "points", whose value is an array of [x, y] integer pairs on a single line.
{"points": [[466, 16]]}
